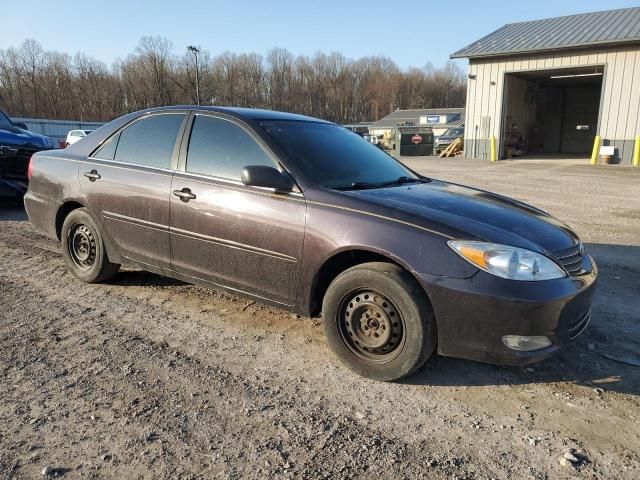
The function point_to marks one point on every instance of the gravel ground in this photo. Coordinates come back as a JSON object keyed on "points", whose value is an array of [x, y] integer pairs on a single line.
{"points": [[148, 377]]}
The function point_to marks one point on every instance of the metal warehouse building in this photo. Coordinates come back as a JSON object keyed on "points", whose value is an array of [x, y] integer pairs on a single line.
{"points": [[549, 87]]}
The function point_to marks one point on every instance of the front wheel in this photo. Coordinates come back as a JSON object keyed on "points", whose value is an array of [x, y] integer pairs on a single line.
{"points": [[378, 321], [83, 248]]}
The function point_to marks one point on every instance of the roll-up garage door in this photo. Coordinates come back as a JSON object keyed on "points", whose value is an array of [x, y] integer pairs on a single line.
{"points": [[582, 104]]}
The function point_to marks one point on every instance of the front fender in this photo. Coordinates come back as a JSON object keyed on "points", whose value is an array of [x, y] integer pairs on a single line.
{"points": [[332, 230]]}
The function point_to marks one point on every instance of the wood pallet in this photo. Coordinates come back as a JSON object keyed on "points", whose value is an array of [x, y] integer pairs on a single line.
{"points": [[455, 148]]}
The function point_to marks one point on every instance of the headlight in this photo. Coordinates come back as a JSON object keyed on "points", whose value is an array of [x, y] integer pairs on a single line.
{"points": [[507, 262]]}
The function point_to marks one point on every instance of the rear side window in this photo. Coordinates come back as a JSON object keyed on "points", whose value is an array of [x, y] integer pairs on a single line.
{"points": [[108, 150], [220, 148], [149, 141]]}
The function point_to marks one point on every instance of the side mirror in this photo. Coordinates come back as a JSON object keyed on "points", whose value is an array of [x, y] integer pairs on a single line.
{"points": [[21, 125], [267, 177]]}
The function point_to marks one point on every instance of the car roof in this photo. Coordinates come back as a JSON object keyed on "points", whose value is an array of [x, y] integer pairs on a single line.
{"points": [[242, 113], [83, 149]]}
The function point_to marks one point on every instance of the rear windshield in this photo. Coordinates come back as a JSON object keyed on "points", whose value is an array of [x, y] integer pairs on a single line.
{"points": [[332, 156]]}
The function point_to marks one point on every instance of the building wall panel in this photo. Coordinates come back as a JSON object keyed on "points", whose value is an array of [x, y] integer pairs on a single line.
{"points": [[632, 122]]}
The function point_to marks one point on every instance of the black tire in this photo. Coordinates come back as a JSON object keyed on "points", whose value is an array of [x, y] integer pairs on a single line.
{"points": [[364, 299], [83, 248]]}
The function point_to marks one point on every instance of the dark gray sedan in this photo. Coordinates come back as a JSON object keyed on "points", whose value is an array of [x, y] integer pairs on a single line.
{"points": [[305, 215]]}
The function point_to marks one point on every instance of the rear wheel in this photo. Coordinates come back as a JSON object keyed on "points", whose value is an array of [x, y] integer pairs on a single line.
{"points": [[83, 248], [378, 321]]}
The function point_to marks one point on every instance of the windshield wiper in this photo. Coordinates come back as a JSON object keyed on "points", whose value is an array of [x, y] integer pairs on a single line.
{"points": [[366, 185], [356, 186], [404, 179]]}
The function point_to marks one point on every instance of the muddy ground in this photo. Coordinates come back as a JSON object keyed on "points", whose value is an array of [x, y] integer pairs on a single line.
{"points": [[147, 377]]}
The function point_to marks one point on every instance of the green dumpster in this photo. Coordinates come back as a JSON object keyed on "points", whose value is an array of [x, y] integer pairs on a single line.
{"points": [[414, 141]]}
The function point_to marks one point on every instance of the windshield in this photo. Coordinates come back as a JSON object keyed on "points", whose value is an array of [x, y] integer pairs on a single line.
{"points": [[4, 120], [335, 157], [453, 132]]}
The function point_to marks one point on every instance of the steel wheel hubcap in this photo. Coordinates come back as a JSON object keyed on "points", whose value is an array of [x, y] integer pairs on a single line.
{"points": [[82, 246], [371, 326]]}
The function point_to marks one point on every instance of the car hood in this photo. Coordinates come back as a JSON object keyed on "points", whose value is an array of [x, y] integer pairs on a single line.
{"points": [[468, 213], [17, 137], [447, 138]]}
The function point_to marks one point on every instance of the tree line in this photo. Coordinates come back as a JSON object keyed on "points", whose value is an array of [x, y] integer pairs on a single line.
{"points": [[38, 83]]}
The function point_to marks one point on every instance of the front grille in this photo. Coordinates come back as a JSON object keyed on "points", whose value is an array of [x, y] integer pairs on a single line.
{"points": [[578, 326], [570, 259]]}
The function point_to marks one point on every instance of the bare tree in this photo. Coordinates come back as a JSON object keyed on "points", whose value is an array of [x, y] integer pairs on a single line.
{"points": [[35, 82]]}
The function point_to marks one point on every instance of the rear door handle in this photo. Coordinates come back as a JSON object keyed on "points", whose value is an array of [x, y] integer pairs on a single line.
{"points": [[93, 175], [185, 194]]}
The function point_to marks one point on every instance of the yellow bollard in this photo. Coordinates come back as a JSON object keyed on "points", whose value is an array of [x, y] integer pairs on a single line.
{"points": [[596, 148], [493, 149], [636, 152]]}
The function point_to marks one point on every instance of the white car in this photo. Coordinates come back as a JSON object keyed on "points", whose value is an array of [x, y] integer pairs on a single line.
{"points": [[74, 135]]}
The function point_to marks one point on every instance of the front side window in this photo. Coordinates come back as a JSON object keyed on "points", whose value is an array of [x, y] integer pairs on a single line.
{"points": [[335, 157], [149, 141], [220, 148]]}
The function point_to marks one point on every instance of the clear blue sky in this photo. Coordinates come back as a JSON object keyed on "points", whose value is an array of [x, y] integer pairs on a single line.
{"points": [[411, 33]]}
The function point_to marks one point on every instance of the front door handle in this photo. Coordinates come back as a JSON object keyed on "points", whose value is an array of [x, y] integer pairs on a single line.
{"points": [[93, 175], [185, 194]]}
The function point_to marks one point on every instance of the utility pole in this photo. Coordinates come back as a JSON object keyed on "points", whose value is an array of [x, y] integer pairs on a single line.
{"points": [[195, 52]]}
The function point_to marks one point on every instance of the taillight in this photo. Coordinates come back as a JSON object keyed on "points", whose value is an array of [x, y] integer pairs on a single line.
{"points": [[30, 168]]}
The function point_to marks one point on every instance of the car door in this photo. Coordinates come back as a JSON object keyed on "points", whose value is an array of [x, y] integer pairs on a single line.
{"points": [[243, 238], [127, 184]]}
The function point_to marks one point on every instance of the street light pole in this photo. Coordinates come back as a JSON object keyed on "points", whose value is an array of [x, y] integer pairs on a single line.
{"points": [[195, 52]]}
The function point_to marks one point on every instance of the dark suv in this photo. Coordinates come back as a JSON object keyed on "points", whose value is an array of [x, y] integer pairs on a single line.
{"points": [[447, 138], [17, 145], [308, 216]]}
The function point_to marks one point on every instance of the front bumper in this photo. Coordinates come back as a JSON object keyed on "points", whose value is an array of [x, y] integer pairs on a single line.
{"points": [[474, 314], [440, 147]]}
